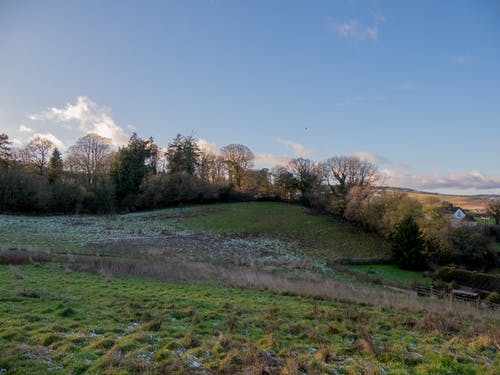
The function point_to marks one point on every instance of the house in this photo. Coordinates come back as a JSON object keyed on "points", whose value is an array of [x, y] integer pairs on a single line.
{"points": [[458, 217]]}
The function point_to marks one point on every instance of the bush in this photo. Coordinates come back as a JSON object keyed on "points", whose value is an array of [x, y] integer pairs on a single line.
{"points": [[470, 249], [473, 279]]}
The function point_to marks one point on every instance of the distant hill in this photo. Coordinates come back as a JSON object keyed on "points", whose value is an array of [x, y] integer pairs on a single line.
{"points": [[475, 202]]}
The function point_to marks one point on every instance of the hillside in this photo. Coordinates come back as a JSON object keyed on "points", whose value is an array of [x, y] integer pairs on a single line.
{"points": [[202, 233], [232, 288], [469, 202], [62, 322]]}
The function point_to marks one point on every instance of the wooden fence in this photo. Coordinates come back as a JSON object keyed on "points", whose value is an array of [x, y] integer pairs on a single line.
{"points": [[457, 296]]}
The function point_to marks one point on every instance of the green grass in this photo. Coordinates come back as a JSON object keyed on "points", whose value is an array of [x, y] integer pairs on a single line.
{"points": [[392, 273], [319, 236], [322, 236], [69, 322]]}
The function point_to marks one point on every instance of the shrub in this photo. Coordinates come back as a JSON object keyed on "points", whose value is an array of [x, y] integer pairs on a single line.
{"points": [[471, 279], [470, 249]]}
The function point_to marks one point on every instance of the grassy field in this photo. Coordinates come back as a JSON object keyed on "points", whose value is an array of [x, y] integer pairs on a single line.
{"points": [[392, 273], [59, 321], [322, 236], [471, 203], [279, 228]]}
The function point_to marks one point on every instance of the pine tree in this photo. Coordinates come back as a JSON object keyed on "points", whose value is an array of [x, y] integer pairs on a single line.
{"points": [[408, 245], [55, 166], [182, 155]]}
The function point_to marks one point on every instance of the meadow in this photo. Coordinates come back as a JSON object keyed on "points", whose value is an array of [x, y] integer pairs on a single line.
{"points": [[467, 202], [220, 289], [62, 321]]}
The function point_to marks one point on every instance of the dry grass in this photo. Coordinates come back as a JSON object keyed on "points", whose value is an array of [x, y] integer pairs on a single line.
{"points": [[22, 256], [308, 285]]}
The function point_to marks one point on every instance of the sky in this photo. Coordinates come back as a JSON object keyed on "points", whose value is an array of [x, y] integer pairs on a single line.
{"points": [[413, 86]]}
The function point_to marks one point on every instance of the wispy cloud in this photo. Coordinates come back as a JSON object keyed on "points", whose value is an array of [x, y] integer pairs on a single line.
{"points": [[271, 160], [372, 158], [472, 180], [298, 149], [464, 59], [354, 29], [379, 160], [88, 116], [25, 129], [360, 99]]}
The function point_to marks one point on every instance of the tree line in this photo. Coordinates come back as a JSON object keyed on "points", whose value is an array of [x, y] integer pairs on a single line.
{"points": [[94, 178]]}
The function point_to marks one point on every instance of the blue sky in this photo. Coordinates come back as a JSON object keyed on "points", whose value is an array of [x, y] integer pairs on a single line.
{"points": [[412, 86]]}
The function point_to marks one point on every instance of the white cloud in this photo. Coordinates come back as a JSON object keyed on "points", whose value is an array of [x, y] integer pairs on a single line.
{"points": [[297, 148], [271, 160], [17, 142], [371, 157], [51, 137], [131, 127], [352, 29], [24, 129], [472, 180], [89, 118], [208, 146], [464, 59]]}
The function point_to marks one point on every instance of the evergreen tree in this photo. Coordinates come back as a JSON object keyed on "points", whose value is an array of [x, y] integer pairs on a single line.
{"points": [[408, 245], [130, 166], [55, 167], [182, 155]]}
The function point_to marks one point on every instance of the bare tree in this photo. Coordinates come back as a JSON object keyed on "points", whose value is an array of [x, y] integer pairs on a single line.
{"points": [[238, 160], [37, 153], [89, 155], [206, 164], [342, 173]]}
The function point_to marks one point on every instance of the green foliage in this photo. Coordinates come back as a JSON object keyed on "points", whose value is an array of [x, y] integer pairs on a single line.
{"points": [[22, 191], [163, 190], [55, 168], [473, 279], [408, 245], [182, 155], [306, 177], [494, 210], [129, 166], [469, 247]]}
